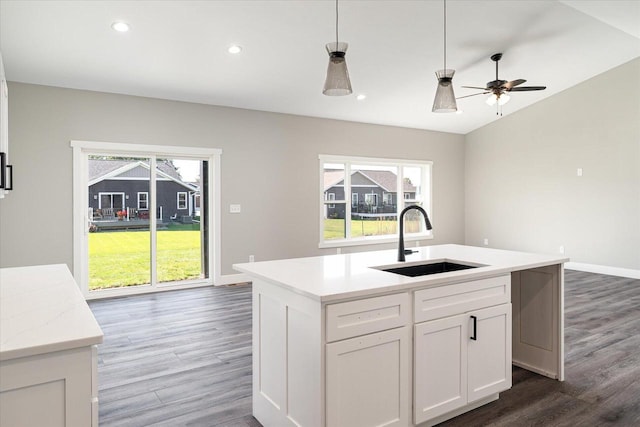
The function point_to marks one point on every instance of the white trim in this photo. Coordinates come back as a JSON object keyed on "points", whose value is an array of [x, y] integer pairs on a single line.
{"points": [[400, 164], [143, 149], [373, 240], [113, 175], [81, 151], [226, 280], [603, 269], [111, 193], [186, 200], [146, 201]]}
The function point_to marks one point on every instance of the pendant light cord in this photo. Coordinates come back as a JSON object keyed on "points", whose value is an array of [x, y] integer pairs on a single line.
{"points": [[336, 25], [445, 35]]}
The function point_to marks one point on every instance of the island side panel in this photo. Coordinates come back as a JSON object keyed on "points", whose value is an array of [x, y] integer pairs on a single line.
{"points": [[538, 311], [287, 357]]}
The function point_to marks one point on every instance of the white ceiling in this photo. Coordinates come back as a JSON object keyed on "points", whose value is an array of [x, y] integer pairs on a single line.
{"points": [[178, 50]]}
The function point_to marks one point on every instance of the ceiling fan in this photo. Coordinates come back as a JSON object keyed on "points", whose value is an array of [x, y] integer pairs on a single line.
{"points": [[499, 88]]}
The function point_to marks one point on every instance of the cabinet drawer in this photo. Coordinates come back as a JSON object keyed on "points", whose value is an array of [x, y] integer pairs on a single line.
{"points": [[449, 300], [353, 318]]}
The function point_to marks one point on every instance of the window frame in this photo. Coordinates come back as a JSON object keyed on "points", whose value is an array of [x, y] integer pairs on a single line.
{"points": [[81, 151], [331, 196], [146, 201], [186, 200], [425, 198]]}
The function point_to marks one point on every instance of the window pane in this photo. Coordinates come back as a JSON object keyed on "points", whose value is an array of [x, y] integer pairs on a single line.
{"points": [[334, 213], [180, 251], [119, 238], [334, 227], [375, 213], [412, 182]]}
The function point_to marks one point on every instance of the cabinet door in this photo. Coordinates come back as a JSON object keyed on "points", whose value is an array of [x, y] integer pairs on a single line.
{"points": [[4, 119], [368, 380], [440, 360], [489, 369]]}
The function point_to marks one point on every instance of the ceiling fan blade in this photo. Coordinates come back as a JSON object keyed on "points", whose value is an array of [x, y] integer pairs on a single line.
{"points": [[467, 96], [475, 87], [526, 88], [513, 83]]}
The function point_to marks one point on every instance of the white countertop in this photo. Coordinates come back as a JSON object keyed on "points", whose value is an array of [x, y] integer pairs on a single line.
{"points": [[335, 277], [41, 311]]}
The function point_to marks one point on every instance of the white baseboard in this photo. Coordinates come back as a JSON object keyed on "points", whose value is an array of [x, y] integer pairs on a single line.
{"points": [[603, 269], [232, 279]]}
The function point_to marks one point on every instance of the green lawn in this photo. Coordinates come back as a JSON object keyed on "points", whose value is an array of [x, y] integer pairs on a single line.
{"points": [[334, 228], [121, 258]]}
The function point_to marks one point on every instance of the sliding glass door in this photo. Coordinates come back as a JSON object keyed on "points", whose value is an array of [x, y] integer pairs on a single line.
{"points": [[144, 218]]}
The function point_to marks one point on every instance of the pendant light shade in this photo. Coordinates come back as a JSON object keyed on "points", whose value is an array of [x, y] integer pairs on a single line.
{"points": [[337, 82], [445, 101]]}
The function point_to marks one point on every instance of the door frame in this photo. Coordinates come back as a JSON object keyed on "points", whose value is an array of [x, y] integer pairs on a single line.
{"points": [[81, 151]]}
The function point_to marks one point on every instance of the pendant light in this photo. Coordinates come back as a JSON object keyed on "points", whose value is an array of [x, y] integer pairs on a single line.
{"points": [[445, 101], [337, 82]]}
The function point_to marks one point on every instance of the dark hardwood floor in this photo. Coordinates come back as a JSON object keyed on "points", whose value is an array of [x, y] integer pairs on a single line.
{"points": [[183, 358]]}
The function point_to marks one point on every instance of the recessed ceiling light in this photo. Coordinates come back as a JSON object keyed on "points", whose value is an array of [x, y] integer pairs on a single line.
{"points": [[361, 97], [121, 27], [235, 49]]}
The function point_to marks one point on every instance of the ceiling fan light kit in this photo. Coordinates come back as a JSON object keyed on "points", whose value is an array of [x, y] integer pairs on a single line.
{"points": [[337, 82], [445, 100], [498, 88]]}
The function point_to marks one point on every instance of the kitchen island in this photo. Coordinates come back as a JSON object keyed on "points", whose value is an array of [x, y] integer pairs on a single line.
{"points": [[338, 341], [48, 349]]}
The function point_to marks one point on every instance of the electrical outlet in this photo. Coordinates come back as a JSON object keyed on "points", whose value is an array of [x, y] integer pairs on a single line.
{"points": [[234, 209], [579, 172], [252, 258], [561, 249], [486, 242]]}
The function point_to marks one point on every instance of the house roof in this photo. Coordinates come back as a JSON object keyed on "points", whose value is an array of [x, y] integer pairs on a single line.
{"points": [[100, 169], [387, 180]]}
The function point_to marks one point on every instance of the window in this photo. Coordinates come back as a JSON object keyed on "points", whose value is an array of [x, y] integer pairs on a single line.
{"points": [[361, 198], [331, 196], [182, 200], [137, 175], [143, 201], [371, 200]]}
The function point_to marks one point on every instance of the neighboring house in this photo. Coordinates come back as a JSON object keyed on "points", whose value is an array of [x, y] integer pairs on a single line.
{"points": [[373, 192], [116, 185]]}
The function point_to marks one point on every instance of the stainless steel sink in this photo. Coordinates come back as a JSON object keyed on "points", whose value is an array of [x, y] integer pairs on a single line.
{"points": [[431, 268]]}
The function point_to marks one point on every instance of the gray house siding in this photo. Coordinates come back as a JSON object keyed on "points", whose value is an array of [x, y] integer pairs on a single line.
{"points": [[167, 195], [371, 197]]}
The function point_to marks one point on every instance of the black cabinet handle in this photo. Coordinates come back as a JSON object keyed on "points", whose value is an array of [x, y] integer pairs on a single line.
{"points": [[10, 184], [475, 330], [3, 172]]}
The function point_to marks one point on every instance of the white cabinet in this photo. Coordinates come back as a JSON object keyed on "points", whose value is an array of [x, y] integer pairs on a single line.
{"points": [[461, 359], [48, 353], [4, 132], [368, 371], [368, 380], [57, 389]]}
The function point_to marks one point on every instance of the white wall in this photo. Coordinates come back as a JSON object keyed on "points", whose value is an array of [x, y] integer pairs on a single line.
{"points": [[522, 191], [269, 166]]}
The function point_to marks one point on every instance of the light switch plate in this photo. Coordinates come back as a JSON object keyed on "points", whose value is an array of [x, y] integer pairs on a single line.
{"points": [[234, 209]]}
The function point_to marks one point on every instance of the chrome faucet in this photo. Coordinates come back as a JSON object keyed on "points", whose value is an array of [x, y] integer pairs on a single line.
{"points": [[401, 251]]}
